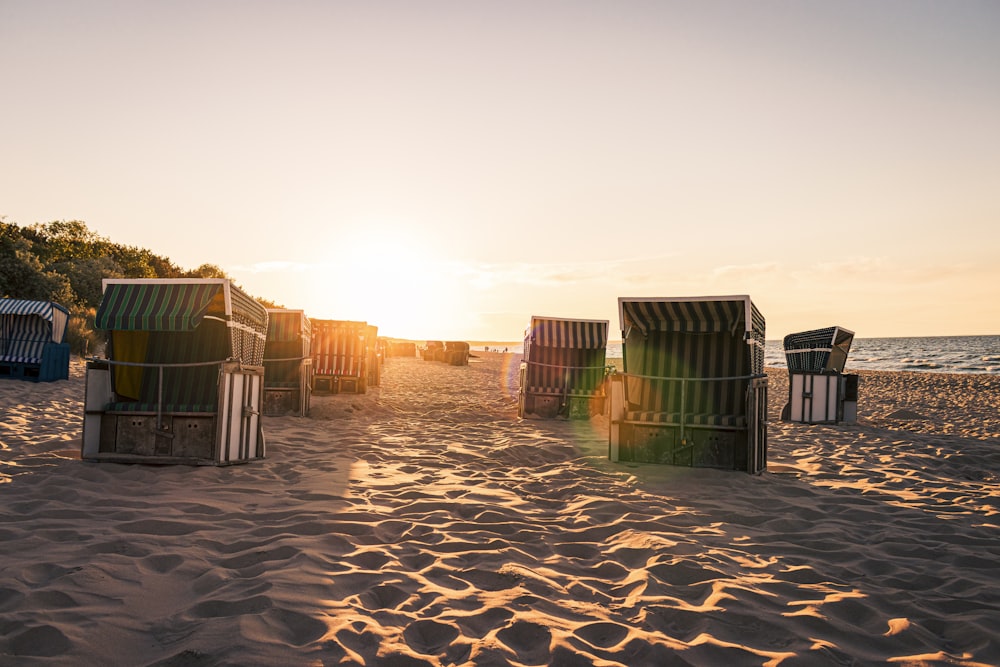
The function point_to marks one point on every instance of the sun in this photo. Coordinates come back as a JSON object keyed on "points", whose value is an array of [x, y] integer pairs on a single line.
{"points": [[389, 278]]}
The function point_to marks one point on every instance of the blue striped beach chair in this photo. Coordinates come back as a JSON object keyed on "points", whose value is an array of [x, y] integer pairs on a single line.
{"points": [[182, 381], [693, 391], [287, 363], [32, 340], [563, 370], [339, 356], [819, 392]]}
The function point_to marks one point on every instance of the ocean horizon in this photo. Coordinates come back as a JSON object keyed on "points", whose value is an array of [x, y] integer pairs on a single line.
{"points": [[936, 354]]}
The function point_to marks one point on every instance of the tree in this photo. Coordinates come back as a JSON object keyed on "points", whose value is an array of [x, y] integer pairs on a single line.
{"points": [[206, 271]]}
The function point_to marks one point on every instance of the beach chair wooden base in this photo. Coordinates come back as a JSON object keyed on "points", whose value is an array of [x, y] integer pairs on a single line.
{"points": [[12, 371], [585, 407], [185, 437], [51, 366], [698, 448], [280, 402], [552, 406], [821, 398], [543, 407], [333, 384], [124, 433]]}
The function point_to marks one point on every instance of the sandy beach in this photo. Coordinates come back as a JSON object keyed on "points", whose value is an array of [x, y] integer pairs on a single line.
{"points": [[423, 523]]}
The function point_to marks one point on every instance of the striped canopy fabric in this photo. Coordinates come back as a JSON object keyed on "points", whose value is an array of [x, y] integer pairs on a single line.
{"points": [[565, 356], [691, 315], [691, 355], [180, 305], [27, 326], [555, 332], [157, 306], [818, 350], [734, 315], [338, 347], [287, 326]]}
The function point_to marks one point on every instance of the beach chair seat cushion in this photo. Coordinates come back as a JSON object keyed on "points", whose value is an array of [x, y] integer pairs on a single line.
{"points": [[692, 419], [560, 391], [168, 408], [29, 358]]}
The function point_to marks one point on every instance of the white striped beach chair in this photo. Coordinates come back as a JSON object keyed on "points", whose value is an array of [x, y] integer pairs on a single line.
{"points": [[182, 381], [819, 392]]}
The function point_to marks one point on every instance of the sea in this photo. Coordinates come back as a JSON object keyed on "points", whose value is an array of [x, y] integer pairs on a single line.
{"points": [[935, 354]]}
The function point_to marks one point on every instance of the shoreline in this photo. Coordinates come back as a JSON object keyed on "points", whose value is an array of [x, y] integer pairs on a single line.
{"points": [[422, 523]]}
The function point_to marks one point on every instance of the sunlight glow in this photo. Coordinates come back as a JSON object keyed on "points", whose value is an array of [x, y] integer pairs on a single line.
{"points": [[385, 276]]}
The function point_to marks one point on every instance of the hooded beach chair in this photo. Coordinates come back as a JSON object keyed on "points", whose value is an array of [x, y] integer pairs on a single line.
{"points": [[693, 391], [374, 355], [32, 340], [402, 348], [433, 351], [456, 352], [563, 369], [340, 356], [287, 363], [182, 381], [818, 390]]}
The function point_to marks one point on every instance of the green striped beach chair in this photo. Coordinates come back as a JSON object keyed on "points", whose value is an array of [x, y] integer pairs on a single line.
{"points": [[287, 363], [182, 380], [563, 370], [693, 391]]}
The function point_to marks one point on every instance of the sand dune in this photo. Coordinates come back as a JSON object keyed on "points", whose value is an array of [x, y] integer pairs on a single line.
{"points": [[423, 524]]}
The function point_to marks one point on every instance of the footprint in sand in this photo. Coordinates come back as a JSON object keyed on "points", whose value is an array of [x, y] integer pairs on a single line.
{"points": [[602, 634], [43, 641], [479, 625], [430, 637], [530, 641], [383, 596]]}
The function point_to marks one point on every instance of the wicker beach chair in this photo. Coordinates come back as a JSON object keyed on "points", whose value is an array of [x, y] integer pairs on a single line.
{"points": [[693, 391], [456, 352], [287, 363], [563, 369], [433, 351], [182, 381], [374, 355], [32, 340], [819, 392]]}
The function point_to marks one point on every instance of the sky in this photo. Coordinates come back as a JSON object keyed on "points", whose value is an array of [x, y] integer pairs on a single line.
{"points": [[447, 169]]}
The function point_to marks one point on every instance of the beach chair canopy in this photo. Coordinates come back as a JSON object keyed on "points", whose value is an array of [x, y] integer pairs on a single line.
{"points": [[735, 314], [181, 305], [27, 326], [819, 350], [188, 325], [285, 325], [288, 333], [571, 333], [692, 336]]}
